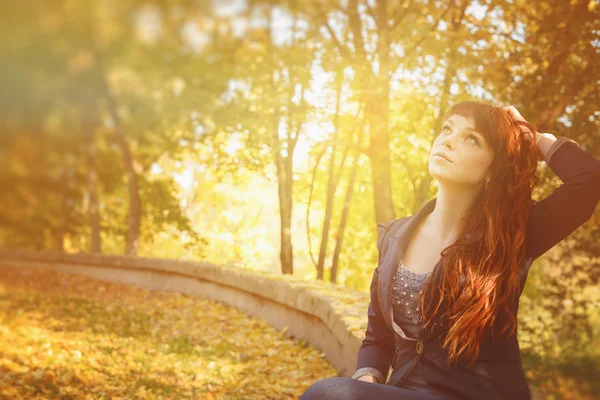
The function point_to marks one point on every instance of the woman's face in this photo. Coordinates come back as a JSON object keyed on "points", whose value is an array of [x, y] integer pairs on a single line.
{"points": [[469, 154]]}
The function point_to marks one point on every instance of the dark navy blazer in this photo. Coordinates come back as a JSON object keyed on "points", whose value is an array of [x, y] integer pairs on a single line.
{"points": [[497, 373]]}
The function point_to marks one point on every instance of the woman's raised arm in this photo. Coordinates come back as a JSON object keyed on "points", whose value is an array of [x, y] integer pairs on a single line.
{"points": [[570, 205]]}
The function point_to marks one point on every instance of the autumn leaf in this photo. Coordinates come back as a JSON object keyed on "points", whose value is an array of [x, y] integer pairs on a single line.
{"points": [[62, 336]]}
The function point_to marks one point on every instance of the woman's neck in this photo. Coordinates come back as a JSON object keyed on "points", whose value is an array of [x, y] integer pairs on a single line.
{"points": [[445, 221]]}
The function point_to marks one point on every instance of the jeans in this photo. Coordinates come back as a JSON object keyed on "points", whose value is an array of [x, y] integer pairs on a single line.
{"points": [[339, 388]]}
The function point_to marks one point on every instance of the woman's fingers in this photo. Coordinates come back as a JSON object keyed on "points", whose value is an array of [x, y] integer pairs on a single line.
{"points": [[513, 112], [516, 115]]}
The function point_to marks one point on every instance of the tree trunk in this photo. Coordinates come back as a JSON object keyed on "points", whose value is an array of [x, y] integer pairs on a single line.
{"points": [[65, 210], [379, 144], [346, 210], [379, 152], [284, 164], [284, 186], [134, 218], [284, 190], [96, 246], [331, 186]]}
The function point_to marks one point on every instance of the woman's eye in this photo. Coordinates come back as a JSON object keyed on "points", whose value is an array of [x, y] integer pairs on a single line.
{"points": [[474, 139]]}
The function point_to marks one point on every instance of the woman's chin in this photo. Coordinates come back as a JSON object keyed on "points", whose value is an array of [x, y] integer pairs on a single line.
{"points": [[439, 174]]}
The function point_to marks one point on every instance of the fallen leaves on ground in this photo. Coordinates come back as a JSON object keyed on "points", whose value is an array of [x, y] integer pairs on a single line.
{"points": [[73, 337]]}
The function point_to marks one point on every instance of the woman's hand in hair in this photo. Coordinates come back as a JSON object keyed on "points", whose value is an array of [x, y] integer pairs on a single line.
{"points": [[525, 130], [543, 141]]}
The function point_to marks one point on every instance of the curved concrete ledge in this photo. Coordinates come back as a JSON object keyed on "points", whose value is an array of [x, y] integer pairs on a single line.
{"points": [[330, 318]]}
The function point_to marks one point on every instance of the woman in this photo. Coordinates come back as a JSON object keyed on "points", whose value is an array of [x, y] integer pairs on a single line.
{"points": [[444, 296]]}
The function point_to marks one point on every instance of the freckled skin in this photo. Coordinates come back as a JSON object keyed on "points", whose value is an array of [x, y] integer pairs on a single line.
{"points": [[470, 160]]}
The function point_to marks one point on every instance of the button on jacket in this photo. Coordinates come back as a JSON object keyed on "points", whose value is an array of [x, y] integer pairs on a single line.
{"points": [[497, 372]]}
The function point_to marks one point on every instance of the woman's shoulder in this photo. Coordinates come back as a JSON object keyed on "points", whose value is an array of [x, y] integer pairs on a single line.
{"points": [[384, 226], [387, 228]]}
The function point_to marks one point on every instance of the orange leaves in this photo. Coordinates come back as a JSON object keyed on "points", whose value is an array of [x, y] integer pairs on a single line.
{"points": [[71, 336]]}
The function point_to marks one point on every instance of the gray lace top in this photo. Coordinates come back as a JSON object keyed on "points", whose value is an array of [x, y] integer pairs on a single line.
{"points": [[405, 290]]}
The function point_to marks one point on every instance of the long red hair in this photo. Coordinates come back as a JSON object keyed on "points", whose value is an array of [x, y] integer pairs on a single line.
{"points": [[480, 273]]}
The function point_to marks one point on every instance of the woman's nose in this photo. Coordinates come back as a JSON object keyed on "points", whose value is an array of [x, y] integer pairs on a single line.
{"points": [[448, 141]]}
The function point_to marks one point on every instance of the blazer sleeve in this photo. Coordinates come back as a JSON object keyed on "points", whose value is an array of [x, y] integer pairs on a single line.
{"points": [[571, 204], [378, 347]]}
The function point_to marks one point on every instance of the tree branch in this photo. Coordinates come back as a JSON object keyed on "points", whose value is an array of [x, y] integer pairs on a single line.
{"points": [[401, 17], [322, 15], [424, 37], [356, 28]]}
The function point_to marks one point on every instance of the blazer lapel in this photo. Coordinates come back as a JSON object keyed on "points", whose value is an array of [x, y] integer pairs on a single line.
{"points": [[390, 262]]}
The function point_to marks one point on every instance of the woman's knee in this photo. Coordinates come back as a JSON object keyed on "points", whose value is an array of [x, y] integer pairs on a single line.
{"points": [[336, 388]]}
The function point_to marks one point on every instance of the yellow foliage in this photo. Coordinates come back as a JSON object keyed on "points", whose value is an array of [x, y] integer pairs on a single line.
{"points": [[61, 335]]}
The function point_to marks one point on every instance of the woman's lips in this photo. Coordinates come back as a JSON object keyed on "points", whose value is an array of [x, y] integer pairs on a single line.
{"points": [[441, 157]]}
